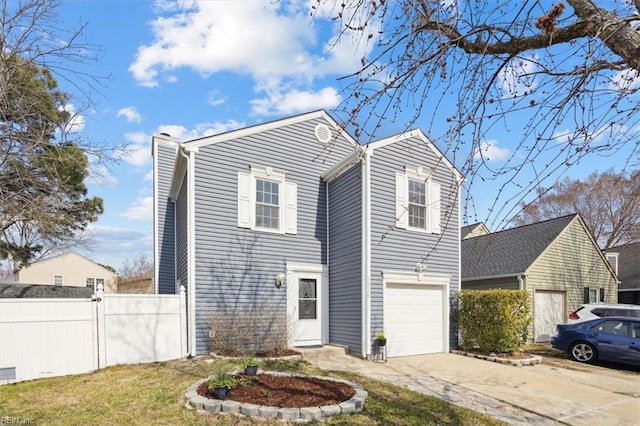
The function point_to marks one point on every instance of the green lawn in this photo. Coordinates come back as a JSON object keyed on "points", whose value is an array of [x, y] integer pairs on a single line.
{"points": [[152, 394]]}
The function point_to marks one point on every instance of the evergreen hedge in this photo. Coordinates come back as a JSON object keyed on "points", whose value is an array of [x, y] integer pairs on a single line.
{"points": [[492, 320]]}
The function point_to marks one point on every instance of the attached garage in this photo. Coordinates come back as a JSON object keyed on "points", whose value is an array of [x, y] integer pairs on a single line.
{"points": [[416, 316], [549, 309]]}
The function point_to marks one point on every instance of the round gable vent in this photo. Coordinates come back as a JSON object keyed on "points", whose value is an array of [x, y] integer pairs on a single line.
{"points": [[323, 133]]}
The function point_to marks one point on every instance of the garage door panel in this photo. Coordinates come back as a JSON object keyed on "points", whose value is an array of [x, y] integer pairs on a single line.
{"points": [[413, 319], [548, 312]]}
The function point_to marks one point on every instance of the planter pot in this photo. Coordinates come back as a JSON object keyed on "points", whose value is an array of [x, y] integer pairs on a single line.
{"points": [[221, 393], [382, 342], [251, 370]]}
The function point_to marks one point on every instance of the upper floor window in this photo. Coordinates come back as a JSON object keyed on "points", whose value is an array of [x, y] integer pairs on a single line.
{"points": [[91, 283], [267, 201], [417, 200], [57, 280]]}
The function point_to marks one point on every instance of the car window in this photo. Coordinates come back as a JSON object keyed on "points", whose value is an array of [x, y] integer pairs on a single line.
{"points": [[635, 330], [635, 313], [617, 327], [599, 312]]}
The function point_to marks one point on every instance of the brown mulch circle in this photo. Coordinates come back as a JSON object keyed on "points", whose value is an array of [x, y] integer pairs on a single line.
{"points": [[285, 391]]}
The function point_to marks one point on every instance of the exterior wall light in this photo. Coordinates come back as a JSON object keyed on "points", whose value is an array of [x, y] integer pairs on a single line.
{"points": [[281, 279], [420, 267]]}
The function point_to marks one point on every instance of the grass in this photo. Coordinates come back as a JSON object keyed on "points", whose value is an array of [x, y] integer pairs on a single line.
{"points": [[152, 394]]}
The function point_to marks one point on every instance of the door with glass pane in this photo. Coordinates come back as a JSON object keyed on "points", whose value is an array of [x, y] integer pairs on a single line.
{"points": [[307, 309]]}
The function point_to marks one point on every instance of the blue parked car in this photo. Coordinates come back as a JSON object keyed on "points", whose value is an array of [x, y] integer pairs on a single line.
{"points": [[615, 339]]}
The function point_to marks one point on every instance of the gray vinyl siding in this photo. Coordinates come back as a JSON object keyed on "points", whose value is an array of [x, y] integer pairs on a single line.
{"points": [[402, 249], [345, 260], [235, 268], [506, 283], [182, 235], [165, 228]]}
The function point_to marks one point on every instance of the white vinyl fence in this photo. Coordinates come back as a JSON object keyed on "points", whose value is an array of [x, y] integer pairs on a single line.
{"points": [[55, 337]]}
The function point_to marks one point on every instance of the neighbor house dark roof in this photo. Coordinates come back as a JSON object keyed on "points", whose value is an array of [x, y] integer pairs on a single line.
{"points": [[509, 252], [41, 291], [628, 265], [473, 230]]}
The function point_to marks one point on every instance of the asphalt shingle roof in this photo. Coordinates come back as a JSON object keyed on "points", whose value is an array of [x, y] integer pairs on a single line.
{"points": [[511, 251], [41, 291]]}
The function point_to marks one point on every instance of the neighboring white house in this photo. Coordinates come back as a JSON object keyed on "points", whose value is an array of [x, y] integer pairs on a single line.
{"points": [[68, 269]]}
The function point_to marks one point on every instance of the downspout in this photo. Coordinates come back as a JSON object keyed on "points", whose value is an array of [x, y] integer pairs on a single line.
{"points": [[325, 334], [191, 296], [520, 281], [366, 255]]}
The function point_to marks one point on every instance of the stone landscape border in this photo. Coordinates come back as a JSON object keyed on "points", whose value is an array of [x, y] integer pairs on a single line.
{"points": [[305, 414], [518, 362]]}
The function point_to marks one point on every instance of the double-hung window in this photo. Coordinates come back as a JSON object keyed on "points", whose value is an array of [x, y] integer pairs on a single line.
{"points": [[267, 201], [417, 200]]}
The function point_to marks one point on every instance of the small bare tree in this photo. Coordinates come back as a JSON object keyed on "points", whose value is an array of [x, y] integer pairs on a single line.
{"points": [[560, 79]]}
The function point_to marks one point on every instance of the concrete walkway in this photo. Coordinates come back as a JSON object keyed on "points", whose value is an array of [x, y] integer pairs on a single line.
{"points": [[538, 395]]}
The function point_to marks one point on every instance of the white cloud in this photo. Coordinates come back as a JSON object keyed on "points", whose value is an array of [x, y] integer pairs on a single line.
{"points": [[278, 103], [518, 77], [215, 99], [138, 152], [76, 121], [142, 209], [579, 137], [131, 114], [627, 80], [489, 151], [100, 175], [267, 41]]}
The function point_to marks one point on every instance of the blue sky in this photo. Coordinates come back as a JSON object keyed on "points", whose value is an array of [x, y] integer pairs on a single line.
{"points": [[193, 69]]}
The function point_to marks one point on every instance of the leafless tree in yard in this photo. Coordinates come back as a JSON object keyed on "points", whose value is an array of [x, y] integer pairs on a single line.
{"points": [[560, 78], [608, 202]]}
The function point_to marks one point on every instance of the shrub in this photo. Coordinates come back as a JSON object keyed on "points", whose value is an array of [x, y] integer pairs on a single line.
{"points": [[493, 320], [260, 329]]}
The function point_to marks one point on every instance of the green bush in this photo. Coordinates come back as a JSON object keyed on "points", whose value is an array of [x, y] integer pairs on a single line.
{"points": [[492, 320]]}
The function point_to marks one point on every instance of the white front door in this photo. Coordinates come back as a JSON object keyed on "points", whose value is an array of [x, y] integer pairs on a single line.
{"points": [[305, 307]]}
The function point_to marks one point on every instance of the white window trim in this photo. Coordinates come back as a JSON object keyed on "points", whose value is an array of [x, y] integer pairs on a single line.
{"points": [[287, 198], [432, 195]]}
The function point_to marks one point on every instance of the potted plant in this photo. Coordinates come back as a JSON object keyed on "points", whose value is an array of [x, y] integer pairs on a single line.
{"points": [[221, 384], [250, 365], [382, 339]]}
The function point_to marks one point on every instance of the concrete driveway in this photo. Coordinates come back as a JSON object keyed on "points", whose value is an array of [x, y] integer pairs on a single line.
{"points": [[542, 394]]}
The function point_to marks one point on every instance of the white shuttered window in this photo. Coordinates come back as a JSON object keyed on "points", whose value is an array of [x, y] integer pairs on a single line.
{"points": [[267, 201], [417, 200]]}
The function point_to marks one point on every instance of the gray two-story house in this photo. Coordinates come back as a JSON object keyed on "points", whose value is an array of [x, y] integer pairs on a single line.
{"points": [[343, 240]]}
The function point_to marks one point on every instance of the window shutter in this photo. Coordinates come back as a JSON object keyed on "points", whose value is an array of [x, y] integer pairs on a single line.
{"points": [[291, 208], [244, 200], [434, 207], [586, 295], [402, 215], [602, 294]]}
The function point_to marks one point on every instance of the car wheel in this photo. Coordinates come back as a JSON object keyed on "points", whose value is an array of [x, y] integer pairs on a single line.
{"points": [[583, 352]]}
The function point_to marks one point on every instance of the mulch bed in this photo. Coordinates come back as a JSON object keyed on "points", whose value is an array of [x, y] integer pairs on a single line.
{"points": [[283, 391]]}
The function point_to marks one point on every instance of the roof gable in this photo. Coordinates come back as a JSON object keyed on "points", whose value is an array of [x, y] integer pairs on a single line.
{"points": [[417, 133], [263, 127], [628, 265], [509, 252]]}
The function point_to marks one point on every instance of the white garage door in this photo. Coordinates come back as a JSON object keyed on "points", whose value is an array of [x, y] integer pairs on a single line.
{"points": [[548, 312], [414, 319]]}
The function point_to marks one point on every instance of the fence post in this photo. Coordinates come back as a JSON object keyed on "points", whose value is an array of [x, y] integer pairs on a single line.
{"points": [[101, 327], [183, 321]]}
